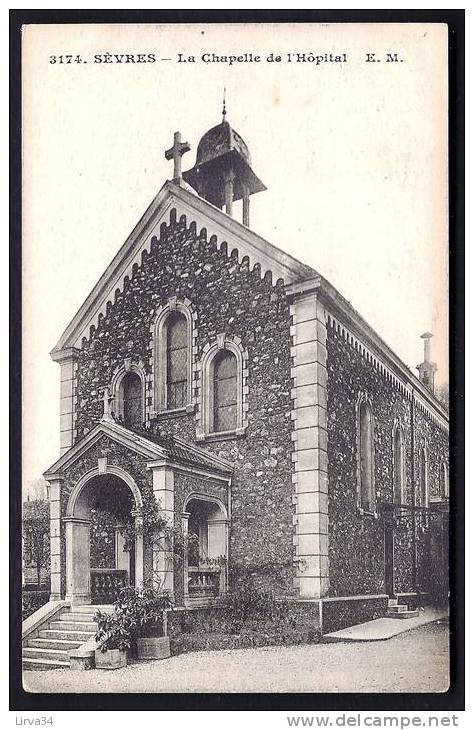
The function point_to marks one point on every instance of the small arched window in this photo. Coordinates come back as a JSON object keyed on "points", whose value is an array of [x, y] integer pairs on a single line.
{"points": [[398, 466], [176, 361], [424, 487], [366, 457], [131, 386], [225, 392], [444, 481]]}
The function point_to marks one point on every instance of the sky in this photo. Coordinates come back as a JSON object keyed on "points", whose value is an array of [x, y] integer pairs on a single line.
{"points": [[354, 156]]}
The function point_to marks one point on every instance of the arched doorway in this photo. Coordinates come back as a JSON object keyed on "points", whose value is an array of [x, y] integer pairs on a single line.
{"points": [[99, 558]]}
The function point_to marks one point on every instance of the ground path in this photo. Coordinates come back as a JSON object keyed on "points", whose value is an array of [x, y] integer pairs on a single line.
{"points": [[416, 661]]}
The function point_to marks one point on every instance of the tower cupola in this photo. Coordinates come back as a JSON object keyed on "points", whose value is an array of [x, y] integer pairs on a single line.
{"points": [[223, 173]]}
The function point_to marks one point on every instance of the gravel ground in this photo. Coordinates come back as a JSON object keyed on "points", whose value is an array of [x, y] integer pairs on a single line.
{"points": [[417, 661]]}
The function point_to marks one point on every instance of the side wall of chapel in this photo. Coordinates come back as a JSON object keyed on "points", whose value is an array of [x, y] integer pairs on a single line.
{"points": [[356, 540]]}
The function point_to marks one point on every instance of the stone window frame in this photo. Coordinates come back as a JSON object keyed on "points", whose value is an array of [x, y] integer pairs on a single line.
{"points": [[206, 388], [364, 399], [158, 361], [444, 480], [398, 427], [115, 386]]}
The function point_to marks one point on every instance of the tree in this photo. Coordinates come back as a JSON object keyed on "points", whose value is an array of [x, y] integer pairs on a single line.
{"points": [[36, 534], [36, 489]]}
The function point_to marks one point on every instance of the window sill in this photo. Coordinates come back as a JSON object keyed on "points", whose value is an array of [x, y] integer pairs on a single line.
{"points": [[368, 513], [185, 410], [222, 436]]}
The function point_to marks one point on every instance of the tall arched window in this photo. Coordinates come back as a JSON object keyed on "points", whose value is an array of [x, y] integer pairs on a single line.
{"points": [[222, 389], [174, 341], [176, 361], [366, 457], [225, 392], [398, 466], [131, 386]]}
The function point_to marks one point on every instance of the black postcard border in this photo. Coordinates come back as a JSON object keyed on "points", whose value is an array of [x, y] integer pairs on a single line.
{"points": [[453, 699]]}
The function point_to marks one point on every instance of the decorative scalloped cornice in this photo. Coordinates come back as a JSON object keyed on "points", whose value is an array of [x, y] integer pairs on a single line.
{"points": [[175, 200], [403, 386]]}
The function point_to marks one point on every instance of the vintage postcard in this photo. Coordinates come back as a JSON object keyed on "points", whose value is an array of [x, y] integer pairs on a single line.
{"points": [[236, 471]]}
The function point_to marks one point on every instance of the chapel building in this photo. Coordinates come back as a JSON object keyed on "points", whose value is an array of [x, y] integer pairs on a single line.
{"points": [[216, 382]]}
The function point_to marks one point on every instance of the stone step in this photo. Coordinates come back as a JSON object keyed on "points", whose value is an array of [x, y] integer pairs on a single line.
{"points": [[403, 614], [43, 664], [64, 644], [92, 608], [77, 617], [66, 634], [398, 608], [89, 626], [30, 652]]}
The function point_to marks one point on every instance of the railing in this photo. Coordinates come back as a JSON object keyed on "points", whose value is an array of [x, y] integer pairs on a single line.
{"points": [[106, 584], [203, 584]]}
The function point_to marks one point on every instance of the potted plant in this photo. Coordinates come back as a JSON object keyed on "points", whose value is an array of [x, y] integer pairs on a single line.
{"points": [[151, 641], [137, 623], [113, 636]]}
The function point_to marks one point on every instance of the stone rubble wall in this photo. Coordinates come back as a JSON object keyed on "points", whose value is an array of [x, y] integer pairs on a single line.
{"points": [[356, 541], [231, 299]]}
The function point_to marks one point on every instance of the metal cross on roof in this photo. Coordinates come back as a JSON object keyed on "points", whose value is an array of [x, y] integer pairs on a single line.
{"points": [[176, 152]]}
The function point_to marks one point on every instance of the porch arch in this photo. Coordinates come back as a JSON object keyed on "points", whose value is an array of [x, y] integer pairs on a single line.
{"points": [[78, 521], [205, 565]]}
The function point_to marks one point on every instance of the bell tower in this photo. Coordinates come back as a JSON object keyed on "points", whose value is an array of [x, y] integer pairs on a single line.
{"points": [[223, 173]]}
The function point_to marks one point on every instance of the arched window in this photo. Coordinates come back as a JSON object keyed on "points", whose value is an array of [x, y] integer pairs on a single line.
{"points": [[444, 481], [225, 392], [176, 361], [366, 487], [424, 486], [398, 466], [128, 391], [131, 387], [174, 337], [223, 389]]}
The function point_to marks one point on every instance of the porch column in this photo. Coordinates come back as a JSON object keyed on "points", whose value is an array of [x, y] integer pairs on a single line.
{"points": [[55, 535], [217, 546], [184, 529], [163, 490], [77, 560], [122, 557], [217, 537]]}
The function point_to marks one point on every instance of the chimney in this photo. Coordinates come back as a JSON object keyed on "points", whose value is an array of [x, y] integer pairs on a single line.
{"points": [[427, 368]]}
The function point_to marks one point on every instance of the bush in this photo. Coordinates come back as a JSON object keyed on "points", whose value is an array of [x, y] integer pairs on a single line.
{"points": [[32, 600], [137, 613], [250, 607], [242, 618]]}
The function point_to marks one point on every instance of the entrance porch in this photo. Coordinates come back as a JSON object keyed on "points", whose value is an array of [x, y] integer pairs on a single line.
{"points": [[100, 516]]}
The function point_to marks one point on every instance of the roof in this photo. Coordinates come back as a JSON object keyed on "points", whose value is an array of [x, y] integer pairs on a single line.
{"points": [[181, 451], [219, 140], [151, 446]]}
